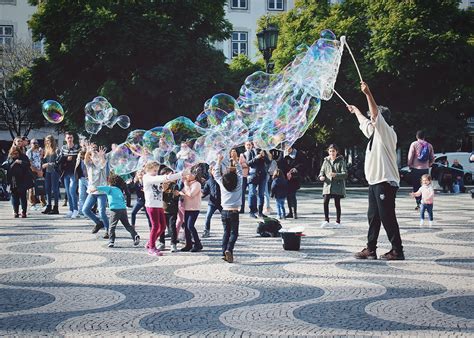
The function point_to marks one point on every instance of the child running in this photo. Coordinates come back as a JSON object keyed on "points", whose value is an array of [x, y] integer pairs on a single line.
{"points": [[154, 202], [279, 190], [118, 209], [231, 201], [426, 192]]}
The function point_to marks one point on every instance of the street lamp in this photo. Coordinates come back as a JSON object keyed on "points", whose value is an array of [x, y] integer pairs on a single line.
{"points": [[267, 42]]}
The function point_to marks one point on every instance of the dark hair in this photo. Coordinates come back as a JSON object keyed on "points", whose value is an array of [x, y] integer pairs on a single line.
{"points": [[229, 181], [278, 173], [165, 171], [115, 181], [420, 134], [333, 146]]}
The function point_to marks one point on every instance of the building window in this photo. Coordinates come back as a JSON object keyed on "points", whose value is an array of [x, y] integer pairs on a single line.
{"points": [[7, 2], [471, 3], [238, 4], [239, 43], [6, 36], [275, 5]]}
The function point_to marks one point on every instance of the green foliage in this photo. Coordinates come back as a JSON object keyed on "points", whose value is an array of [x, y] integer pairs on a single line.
{"points": [[416, 56], [153, 60], [239, 68]]}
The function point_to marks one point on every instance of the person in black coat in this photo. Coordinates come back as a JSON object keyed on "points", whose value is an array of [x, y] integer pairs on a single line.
{"points": [[291, 162], [211, 189], [19, 178]]}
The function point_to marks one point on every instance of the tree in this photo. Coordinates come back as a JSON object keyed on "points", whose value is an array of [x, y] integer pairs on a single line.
{"points": [[153, 60], [415, 55], [14, 61]]}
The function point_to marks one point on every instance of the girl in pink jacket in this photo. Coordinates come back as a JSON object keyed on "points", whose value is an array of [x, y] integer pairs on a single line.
{"points": [[426, 192]]}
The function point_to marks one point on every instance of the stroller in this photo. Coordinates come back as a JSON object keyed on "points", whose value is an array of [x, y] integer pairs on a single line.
{"points": [[4, 194]]}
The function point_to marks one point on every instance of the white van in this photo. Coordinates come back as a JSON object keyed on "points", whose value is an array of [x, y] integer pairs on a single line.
{"points": [[463, 158]]}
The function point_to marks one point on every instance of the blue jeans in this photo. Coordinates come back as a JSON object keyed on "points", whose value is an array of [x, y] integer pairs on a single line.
{"points": [[51, 185], [211, 209], [70, 183], [139, 204], [253, 196], [101, 201], [427, 207], [280, 203], [83, 182], [230, 222]]}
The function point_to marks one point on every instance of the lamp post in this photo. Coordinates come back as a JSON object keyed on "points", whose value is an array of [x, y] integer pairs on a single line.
{"points": [[267, 42]]}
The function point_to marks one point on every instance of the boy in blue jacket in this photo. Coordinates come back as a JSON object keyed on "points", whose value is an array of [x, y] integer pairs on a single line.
{"points": [[212, 189], [118, 209]]}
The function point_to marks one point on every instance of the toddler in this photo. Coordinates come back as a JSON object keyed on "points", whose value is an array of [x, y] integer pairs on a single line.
{"points": [[426, 192]]}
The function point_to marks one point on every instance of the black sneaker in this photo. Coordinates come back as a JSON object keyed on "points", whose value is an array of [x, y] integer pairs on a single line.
{"points": [[186, 248], [262, 215], [196, 248], [97, 227], [393, 255], [136, 240], [111, 244], [229, 257], [106, 236], [366, 254]]}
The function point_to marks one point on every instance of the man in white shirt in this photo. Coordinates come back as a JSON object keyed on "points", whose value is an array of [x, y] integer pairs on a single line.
{"points": [[381, 171]]}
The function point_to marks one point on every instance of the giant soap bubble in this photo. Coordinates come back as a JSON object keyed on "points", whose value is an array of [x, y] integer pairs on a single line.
{"points": [[272, 110], [52, 111], [99, 112]]}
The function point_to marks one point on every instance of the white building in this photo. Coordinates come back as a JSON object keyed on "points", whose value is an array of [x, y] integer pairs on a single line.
{"points": [[14, 16]]}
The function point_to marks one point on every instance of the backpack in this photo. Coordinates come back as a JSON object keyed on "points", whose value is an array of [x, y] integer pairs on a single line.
{"points": [[424, 154], [269, 227]]}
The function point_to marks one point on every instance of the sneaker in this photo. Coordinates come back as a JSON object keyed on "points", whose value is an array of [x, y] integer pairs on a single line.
{"points": [[422, 222], [252, 215], [16, 215], [174, 248], [136, 240], [393, 255], [68, 215], [106, 236], [162, 246], [186, 248], [325, 224], [260, 215], [229, 257], [206, 234], [196, 248], [23, 214], [97, 227], [75, 214], [111, 244], [338, 225], [430, 223], [366, 254], [155, 252]]}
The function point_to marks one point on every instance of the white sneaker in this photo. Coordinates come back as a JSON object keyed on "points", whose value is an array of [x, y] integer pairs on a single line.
{"points": [[174, 248], [422, 222], [430, 223], [325, 224], [68, 215], [162, 247], [337, 225], [75, 214]]}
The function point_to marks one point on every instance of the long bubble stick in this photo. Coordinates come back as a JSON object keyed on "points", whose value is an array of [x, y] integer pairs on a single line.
{"points": [[353, 58], [341, 98]]}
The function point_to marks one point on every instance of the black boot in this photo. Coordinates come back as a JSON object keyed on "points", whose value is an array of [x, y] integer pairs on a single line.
{"points": [[54, 211], [290, 214], [47, 210]]}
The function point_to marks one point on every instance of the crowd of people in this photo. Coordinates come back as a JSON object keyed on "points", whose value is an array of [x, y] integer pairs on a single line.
{"points": [[172, 199]]}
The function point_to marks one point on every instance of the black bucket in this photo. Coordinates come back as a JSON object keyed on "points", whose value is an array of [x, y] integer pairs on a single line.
{"points": [[291, 240]]}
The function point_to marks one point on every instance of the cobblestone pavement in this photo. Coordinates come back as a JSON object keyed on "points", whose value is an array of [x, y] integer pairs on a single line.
{"points": [[58, 279]]}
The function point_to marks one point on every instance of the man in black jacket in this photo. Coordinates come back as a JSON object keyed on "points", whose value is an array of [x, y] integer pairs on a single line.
{"points": [[257, 161]]}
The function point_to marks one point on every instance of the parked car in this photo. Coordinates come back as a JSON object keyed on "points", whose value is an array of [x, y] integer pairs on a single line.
{"points": [[462, 157]]}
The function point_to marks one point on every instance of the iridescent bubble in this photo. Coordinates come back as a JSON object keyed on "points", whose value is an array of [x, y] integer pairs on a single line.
{"points": [[111, 123], [184, 129], [52, 111], [223, 102], [328, 34], [123, 121], [124, 160], [159, 142], [210, 118], [91, 125]]}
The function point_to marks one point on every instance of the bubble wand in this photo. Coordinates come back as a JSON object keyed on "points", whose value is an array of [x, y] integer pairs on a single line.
{"points": [[341, 98], [344, 41]]}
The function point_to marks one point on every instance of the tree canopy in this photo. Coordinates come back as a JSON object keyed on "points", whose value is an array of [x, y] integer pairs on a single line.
{"points": [[415, 55], [152, 59]]}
